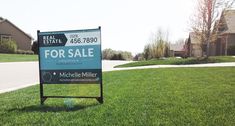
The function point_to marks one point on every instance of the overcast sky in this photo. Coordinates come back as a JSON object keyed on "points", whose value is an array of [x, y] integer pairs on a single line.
{"points": [[126, 24]]}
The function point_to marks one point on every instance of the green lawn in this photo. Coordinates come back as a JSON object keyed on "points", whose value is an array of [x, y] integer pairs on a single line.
{"points": [[17, 57], [175, 61], [172, 96]]}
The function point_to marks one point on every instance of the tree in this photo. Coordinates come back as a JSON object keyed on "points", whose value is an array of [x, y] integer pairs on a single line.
{"points": [[205, 17], [110, 54], [147, 52], [158, 46], [35, 47], [107, 54]]}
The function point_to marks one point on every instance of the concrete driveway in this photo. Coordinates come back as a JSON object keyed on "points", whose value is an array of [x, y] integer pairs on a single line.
{"points": [[16, 75]]}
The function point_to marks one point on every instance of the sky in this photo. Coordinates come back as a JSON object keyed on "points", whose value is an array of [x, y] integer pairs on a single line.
{"points": [[126, 25]]}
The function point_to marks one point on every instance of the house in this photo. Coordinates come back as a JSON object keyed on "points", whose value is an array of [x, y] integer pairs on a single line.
{"points": [[223, 40], [225, 30], [9, 31], [193, 46], [177, 50]]}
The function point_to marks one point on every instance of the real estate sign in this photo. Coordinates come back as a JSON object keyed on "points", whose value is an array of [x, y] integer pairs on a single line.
{"points": [[70, 57]]}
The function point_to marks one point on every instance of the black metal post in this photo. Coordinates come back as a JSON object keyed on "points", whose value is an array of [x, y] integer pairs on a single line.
{"points": [[101, 100], [42, 99]]}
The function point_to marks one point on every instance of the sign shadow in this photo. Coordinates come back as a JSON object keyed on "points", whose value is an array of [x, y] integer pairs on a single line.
{"points": [[48, 108]]}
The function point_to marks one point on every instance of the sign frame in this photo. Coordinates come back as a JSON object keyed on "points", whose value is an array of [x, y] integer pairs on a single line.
{"points": [[43, 97]]}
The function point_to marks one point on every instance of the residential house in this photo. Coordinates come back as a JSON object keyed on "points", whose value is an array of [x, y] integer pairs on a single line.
{"points": [[9, 31], [193, 46], [177, 50], [225, 30], [223, 42]]}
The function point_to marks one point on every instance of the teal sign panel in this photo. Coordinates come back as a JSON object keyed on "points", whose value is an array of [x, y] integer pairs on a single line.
{"points": [[70, 57]]}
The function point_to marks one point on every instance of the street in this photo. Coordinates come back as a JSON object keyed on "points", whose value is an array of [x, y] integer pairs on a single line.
{"points": [[16, 75]]}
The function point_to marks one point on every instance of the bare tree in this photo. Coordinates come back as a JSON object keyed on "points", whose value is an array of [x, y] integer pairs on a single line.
{"points": [[205, 17], [158, 46]]}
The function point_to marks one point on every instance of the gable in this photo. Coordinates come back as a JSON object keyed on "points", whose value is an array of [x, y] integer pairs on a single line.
{"points": [[194, 38], [227, 20], [11, 27], [22, 39]]}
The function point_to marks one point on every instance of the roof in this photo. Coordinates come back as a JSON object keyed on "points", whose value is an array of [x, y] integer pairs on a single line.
{"points": [[1, 19], [5, 20], [229, 18], [177, 46]]}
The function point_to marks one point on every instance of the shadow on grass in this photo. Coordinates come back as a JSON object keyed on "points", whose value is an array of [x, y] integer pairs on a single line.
{"points": [[46, 108]]}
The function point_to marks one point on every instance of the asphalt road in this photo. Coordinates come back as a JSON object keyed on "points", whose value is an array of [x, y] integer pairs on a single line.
{"points": [[16, 75]]}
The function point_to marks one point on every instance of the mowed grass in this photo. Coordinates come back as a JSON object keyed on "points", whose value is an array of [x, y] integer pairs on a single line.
{"points": [[17, 57], [175, 61], [172, 96]]}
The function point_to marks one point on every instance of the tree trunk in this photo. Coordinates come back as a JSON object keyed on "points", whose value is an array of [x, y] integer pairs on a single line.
{"points": [[207, 49]]}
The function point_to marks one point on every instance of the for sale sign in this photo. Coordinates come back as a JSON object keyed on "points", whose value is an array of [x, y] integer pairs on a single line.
{"points": [[70, 57]]}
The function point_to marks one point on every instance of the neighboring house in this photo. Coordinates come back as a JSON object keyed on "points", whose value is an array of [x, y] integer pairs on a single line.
{"points": [[225, 29], [193, 46], [222, 44], [8, 31], [177, 50]]}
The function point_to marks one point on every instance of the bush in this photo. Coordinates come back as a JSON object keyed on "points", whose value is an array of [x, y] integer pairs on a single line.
{"points": [[28, 52], [8, 46], [231, 50], [35, 47], [118, 56]]}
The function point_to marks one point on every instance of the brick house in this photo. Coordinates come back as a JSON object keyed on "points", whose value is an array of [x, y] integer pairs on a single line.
{"points": [[9, 31]]}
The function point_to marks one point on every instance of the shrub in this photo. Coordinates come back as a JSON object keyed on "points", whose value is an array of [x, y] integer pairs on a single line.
{"points": [[28, 52], [117, 56], [35, 47], [231, 50], [8, 46]]}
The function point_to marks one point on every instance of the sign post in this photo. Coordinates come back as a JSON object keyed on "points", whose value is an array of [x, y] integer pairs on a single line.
{"points": [[70, 57]]}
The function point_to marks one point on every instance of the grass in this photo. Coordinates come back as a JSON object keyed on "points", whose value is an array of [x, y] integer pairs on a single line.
{"points": [[175, 61], [17, 57], [172, 96]]}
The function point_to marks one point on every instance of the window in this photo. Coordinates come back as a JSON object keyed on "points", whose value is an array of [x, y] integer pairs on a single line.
{"points": [[5, 37]]}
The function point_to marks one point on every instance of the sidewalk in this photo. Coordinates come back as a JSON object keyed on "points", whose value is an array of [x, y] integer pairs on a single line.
{"points": [[231, 64]]}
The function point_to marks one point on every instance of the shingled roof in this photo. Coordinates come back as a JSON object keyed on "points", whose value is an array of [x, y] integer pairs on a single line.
{"points": [[1, 19], [228, 21]]}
